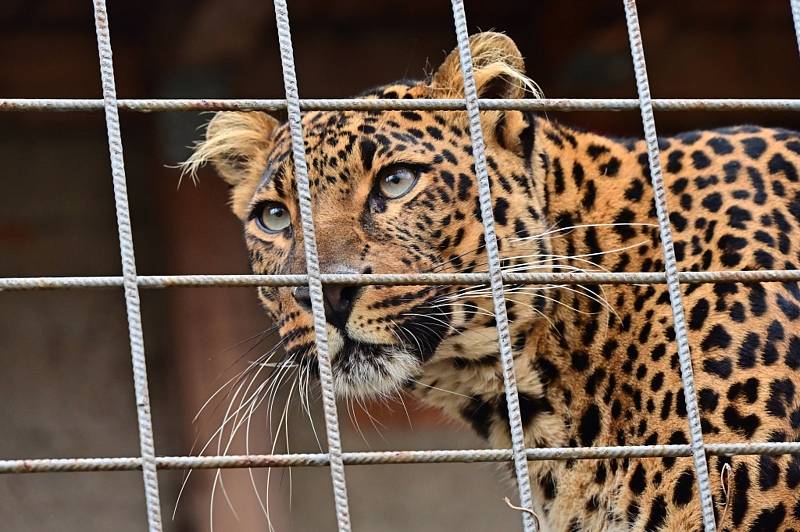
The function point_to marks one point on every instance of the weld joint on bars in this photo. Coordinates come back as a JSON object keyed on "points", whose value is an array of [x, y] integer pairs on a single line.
{"points": [[68, 465], [167, 281], [376, 104]]}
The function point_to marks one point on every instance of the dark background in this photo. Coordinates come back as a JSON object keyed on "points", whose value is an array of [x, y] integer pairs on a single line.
{"points": [[65, 384]]}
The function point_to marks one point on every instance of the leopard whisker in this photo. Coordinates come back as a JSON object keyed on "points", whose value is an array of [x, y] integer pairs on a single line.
{"points": [[240, 378], [351, 412], [536, 311], [278, 365], [272, 392], [582, 291], [218, 474], [244, 403], [399, 395], [305, 378], [241, 374], [272, 451], [536, 265], [374, 422], [455, 311], [249, 469], [446, 262], [260, 335], [218, 480], [435, 318], [249, 405], [431, 329], [584, 255], [402, 330], [488, 295], [254, 406], [551, 233], [286, 433], [563, 231], [543, 258], [441, 389]]}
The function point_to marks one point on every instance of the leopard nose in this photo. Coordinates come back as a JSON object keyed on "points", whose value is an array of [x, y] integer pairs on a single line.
{"points": [[339, 303], [338, 299]]}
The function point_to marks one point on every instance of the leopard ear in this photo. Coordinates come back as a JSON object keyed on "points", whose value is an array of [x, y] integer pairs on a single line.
{"points": [[498, 67], [236, 144]]}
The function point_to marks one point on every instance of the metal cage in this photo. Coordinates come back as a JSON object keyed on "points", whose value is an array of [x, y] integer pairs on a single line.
{"points": [[336, 458]]}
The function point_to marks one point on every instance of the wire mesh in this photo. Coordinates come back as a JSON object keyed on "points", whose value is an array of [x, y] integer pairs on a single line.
{"points": [[148, 462]]}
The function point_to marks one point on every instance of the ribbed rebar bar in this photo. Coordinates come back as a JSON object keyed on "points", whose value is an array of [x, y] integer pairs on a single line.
{"points": [[312, 266], [373, 104], [516, 429], [129, 278], [439, 456], [168, 281], [670, 266]]}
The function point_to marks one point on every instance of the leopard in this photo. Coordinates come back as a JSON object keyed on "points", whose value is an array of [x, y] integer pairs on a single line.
{"points": [[396, 191]]}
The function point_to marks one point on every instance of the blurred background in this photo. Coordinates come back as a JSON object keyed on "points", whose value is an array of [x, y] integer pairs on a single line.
{"points": [[65, 377]]}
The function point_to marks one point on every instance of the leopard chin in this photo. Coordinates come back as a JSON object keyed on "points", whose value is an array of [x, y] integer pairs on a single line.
{"points": [[367, 367], [368, 371]]}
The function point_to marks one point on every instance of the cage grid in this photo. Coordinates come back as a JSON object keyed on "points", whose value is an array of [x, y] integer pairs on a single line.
{"points": [[336, 458]]}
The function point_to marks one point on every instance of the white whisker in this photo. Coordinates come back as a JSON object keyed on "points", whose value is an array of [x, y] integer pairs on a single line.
{"points": [[440, 389]]}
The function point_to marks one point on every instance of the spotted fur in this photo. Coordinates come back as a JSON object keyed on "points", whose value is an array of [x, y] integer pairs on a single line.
{"points": [[595, 365]]}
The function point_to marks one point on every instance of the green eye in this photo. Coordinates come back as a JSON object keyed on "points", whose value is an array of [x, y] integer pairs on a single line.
{"points": [[397, 182], [273, 217]]}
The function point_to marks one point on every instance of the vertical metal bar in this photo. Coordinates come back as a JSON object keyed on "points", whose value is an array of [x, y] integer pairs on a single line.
{"points": [[129, 280], [671, 266], [312, 266], [796, 18], [495, 272]]}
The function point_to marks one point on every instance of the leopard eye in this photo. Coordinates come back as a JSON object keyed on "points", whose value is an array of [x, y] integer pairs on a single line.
{"points": [[273, 217], [397, 182]]}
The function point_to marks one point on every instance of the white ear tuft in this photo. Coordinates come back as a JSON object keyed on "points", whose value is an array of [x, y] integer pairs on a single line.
{"points": [[235, 142]]}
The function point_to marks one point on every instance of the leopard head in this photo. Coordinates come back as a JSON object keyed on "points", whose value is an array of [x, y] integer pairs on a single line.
{"points": [[392, 192]]}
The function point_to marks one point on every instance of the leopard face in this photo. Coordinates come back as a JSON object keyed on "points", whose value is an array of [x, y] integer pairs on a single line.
{"points": [[392, 191]]}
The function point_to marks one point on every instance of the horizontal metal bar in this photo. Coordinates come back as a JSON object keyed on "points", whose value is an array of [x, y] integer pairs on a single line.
{"points": [[59, 465], [366, 104], [166, 281]]}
